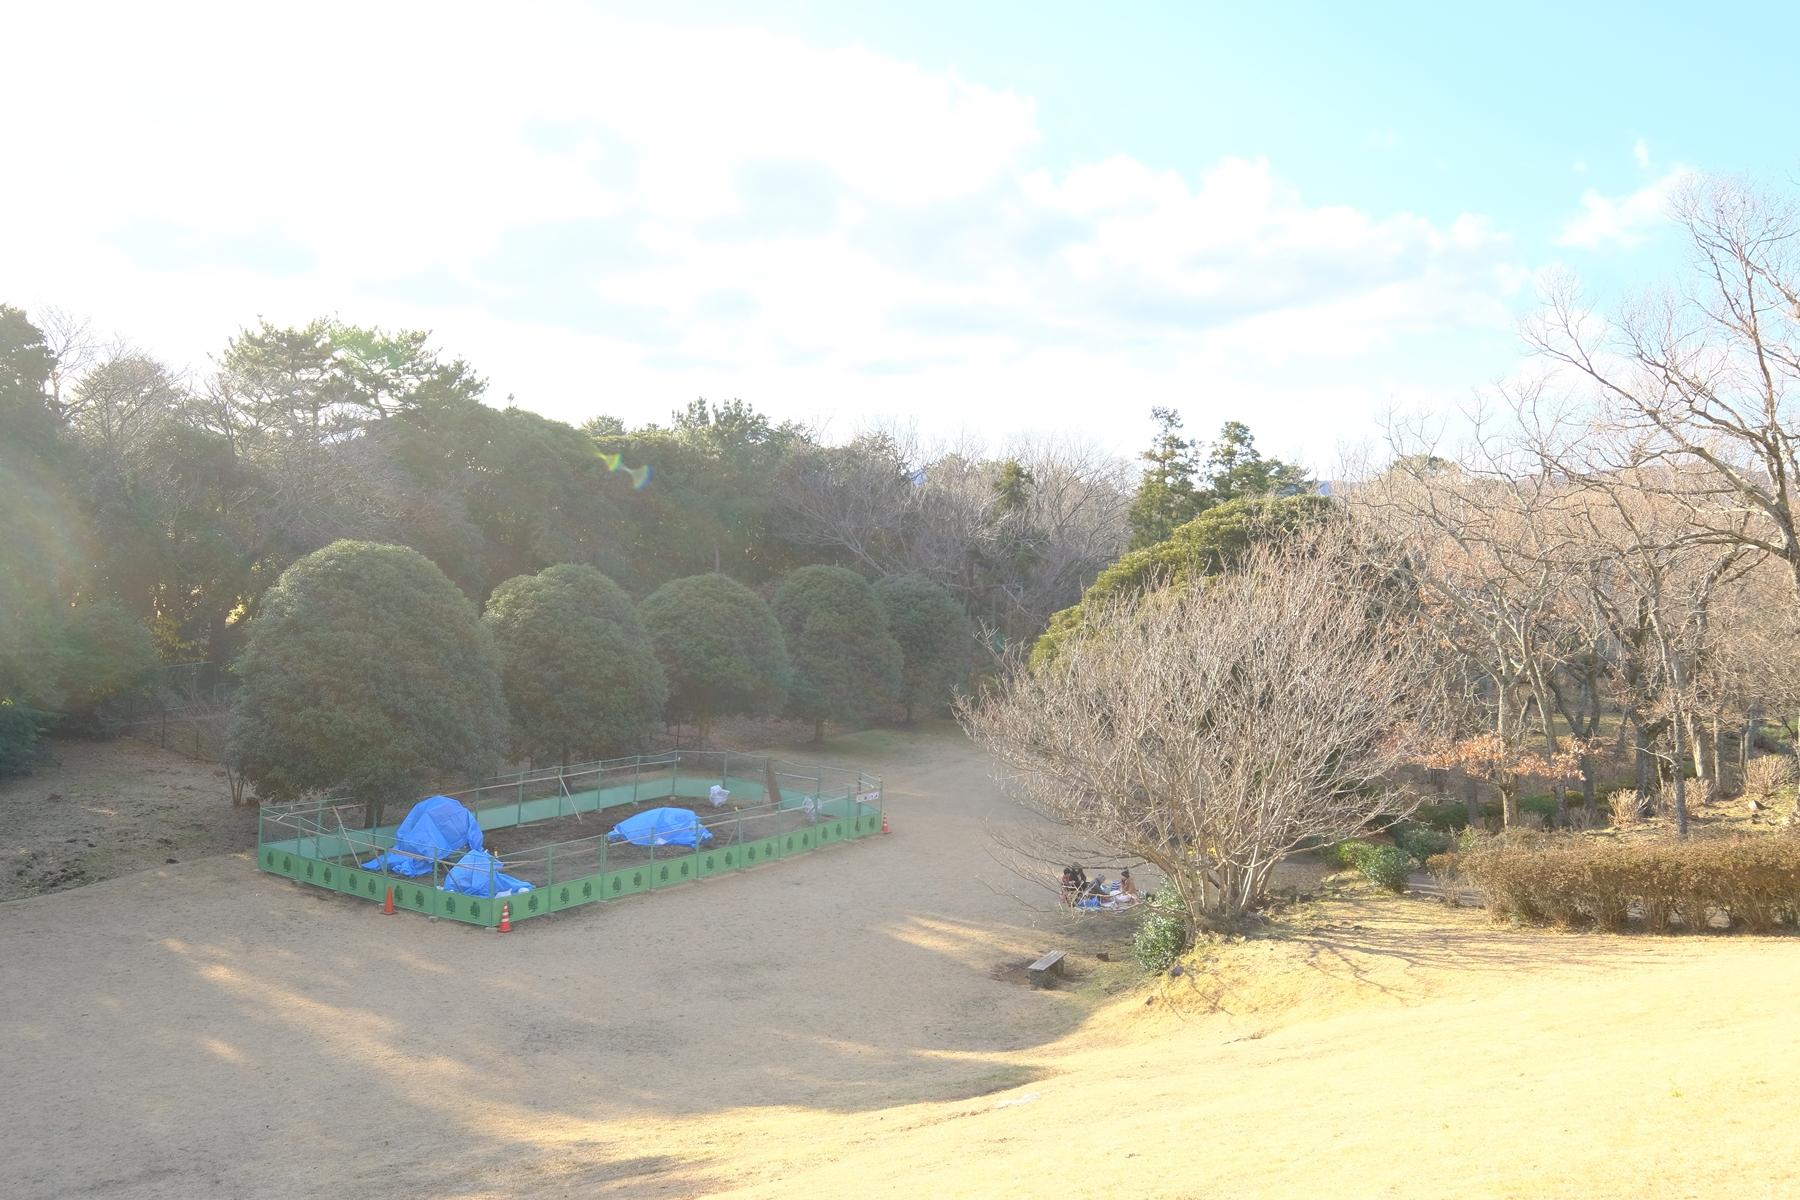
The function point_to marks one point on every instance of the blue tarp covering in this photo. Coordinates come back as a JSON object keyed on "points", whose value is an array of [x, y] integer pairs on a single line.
{"points": [[437, 827], [472, 877], [661, 827]]}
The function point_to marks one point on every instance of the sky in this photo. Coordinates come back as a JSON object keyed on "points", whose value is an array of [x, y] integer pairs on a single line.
{"points": [[982, 219]]}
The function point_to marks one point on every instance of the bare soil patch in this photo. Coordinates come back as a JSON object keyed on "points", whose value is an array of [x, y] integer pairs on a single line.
{"points": [[521, 846], [97, 810]]}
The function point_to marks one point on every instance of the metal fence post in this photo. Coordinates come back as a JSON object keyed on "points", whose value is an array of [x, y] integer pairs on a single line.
{"points": [[674, 773]]}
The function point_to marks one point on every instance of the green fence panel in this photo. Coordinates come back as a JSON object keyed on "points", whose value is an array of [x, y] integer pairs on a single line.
{"points": [[575, 892], [625, 881], [761, 851], [712, 862], [535, 903], [471, 910], [668, 872], [416, 896]]}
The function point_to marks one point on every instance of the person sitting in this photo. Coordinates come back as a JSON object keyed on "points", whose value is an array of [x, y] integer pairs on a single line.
{"points": [[1127, 893], [1074, 884], [1096, 889]]}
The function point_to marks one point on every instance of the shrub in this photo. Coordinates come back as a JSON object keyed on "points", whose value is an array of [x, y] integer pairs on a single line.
{"points": [[1162, 934], [1446, 871], [1421, 842], [1386, 866], [1347, 855], [1447, 815], [1770, 774], [1754, 882], [18, 737], [1624, 807]]}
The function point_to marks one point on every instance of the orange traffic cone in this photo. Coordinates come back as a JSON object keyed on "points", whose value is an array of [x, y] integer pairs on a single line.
{"points": [[387, 906], [884, 827], [505, 917]]}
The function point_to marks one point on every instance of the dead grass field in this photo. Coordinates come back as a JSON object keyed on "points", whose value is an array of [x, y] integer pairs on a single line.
{"points": [[847, 1027]]}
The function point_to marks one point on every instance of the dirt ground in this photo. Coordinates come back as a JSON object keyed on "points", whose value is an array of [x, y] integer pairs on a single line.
{"points": [[576, 840], [854, 1029], [97, 810]]}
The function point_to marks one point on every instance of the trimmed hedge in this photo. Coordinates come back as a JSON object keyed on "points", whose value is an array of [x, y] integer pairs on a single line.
{"points": [[1753, 882]]}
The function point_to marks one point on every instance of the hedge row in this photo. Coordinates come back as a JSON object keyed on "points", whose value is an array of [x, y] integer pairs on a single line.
{"points": [[1752, 882]]}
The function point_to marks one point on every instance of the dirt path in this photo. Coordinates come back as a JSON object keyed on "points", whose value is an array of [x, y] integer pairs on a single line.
{"points": [[98, 810], [837, 1028]]}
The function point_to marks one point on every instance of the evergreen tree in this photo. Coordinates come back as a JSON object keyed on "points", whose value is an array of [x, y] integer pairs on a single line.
{"points": [[721, 647], [576, 664], [1166, 496], [846, 664], [368, 674], [935, 638]]}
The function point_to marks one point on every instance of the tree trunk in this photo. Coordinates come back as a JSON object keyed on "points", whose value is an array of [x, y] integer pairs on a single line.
{"points": [[1640, 764], [818, 730], [1680, 780], [1701, 752], [909, 711], [1472, 801], [1509, 803], [1718, 759]]}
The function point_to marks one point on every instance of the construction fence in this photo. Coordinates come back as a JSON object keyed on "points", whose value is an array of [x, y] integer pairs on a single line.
{"points": [[775, 810]]}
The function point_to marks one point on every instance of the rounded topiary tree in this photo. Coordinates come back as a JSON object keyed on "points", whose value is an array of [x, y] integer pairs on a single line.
{"points": [[576, 664], [367, 673], [934, 634], [846, 664], [721, 647]]}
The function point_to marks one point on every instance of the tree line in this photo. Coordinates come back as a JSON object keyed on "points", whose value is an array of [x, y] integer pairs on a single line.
{"points": [[153, 511], [369, 674]]}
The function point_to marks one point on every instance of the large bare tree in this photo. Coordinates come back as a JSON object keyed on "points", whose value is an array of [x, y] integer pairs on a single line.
{"points": [[1692, 390], [1213, 730]]}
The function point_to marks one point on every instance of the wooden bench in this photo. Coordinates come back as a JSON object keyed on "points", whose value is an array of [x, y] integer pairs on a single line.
{"points": [[1045, 967]]}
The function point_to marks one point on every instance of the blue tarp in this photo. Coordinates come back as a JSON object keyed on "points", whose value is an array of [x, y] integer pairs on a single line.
{"points": [[436, 828], [661, 827], [477, 873]]}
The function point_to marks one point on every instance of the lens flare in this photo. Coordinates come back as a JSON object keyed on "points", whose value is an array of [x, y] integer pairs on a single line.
{"points": [[640, 476]]}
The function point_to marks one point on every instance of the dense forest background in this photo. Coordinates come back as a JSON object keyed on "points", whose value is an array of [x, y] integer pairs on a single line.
{"points": [[141, 497]]}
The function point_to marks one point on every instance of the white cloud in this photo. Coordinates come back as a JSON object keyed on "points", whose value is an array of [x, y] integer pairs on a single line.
{"points": [[604, 216], [1640, 154], [1622, 221]]}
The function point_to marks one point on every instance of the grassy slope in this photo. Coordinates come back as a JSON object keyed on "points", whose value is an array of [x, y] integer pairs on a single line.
{"points": [[1394, 1048]]}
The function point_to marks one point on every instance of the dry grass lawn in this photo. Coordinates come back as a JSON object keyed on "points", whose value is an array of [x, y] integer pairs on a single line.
{"points": [[850, 1027]]}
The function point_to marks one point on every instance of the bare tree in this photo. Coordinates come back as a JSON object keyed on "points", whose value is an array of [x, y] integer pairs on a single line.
{"points": [[1212, 731], [1472, 536], [73, 347], [1016, 535], [1704, 380]]}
